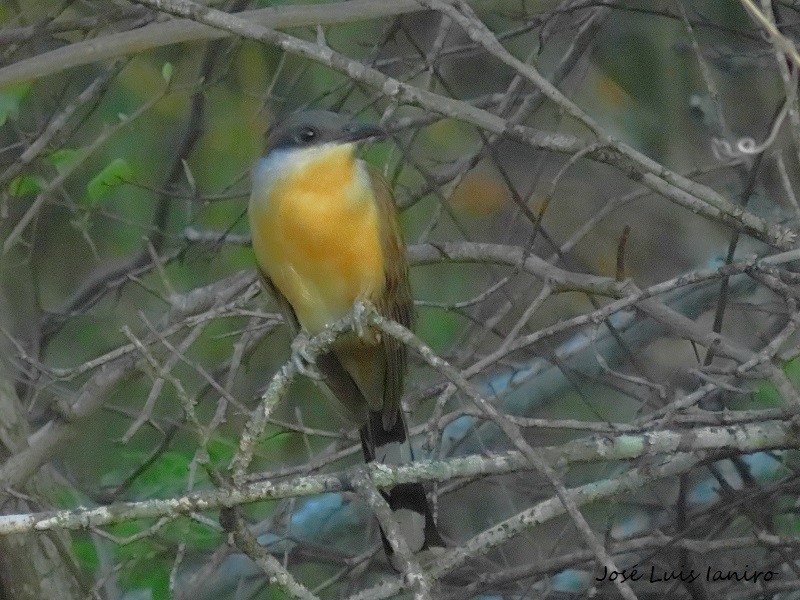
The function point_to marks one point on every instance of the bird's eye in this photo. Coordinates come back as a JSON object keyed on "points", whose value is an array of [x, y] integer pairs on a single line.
{"points": [[306, 135]]}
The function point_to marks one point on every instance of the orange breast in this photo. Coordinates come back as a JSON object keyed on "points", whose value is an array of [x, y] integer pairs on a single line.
{"points": [[316, 234]]}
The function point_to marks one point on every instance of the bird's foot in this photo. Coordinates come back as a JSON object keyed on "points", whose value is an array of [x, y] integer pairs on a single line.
{"points": [[361, 312], [303, 360]]}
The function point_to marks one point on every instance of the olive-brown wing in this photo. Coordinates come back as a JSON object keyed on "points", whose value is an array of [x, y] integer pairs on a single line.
{"points": [[345, 393], [395, 303]]}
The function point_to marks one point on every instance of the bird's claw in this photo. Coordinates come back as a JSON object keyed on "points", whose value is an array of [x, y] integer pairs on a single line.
{"points": [[360, 311], [303, 361]]}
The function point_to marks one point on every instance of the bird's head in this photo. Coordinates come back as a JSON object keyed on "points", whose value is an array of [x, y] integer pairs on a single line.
{"points": [[316, 128]]}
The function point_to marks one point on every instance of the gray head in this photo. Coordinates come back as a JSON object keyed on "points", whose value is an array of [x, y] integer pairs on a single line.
{"points": [[315, 127]]}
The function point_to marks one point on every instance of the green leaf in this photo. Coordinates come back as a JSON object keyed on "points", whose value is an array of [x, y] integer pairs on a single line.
{"points": [[114, 174], [166, 71], [220, 451], [767, 395], [24, 185], [86, 553], [792, 369], [149, 577], [63, 158], [10, 99], [439, 328]]}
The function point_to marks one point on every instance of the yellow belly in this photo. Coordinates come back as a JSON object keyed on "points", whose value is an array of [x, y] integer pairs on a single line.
{"points": [[316, 235]]}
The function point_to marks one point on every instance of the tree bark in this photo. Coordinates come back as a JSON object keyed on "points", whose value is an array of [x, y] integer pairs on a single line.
{"points": [[32, 566]]}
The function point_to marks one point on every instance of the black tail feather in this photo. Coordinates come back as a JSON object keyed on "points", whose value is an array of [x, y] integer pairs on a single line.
{"points": [[393, 447]]}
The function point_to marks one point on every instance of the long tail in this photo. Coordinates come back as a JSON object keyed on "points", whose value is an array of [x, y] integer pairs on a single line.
{"points": [[407, 500]]}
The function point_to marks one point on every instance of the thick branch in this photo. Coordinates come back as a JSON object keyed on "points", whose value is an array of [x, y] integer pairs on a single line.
{"points": [[173, 31], [745, 438]]}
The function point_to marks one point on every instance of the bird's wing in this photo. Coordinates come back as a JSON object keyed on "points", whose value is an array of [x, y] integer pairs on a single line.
{"points": [[395, 303], [339, 385], [286, 310]]}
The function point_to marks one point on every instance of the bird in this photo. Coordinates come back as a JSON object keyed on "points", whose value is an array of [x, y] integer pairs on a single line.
{"points": [[326, 235]]}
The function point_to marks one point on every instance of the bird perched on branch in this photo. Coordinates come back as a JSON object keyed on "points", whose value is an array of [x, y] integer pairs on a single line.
{"points": [[325, 235]]}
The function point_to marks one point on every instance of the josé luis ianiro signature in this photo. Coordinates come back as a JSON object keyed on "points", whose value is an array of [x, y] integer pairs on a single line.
{"points": [[685, 575]]}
